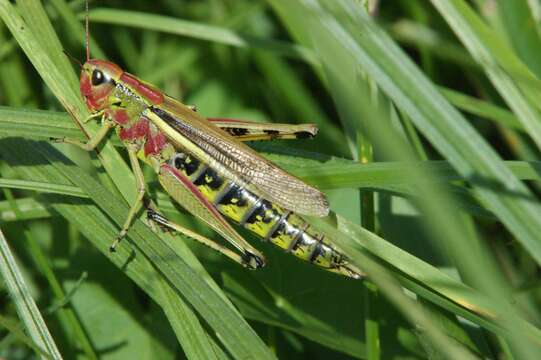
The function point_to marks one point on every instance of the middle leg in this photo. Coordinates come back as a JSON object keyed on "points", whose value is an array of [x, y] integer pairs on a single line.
{"points": [[136, 206]]}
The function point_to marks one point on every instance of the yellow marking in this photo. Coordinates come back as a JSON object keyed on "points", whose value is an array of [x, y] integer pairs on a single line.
{"points": [[210, 193], [281, 241], [305, 246], [262, 228]]}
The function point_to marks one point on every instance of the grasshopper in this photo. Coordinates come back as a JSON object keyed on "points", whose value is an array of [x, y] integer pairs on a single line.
{"points": [[205, 166]]}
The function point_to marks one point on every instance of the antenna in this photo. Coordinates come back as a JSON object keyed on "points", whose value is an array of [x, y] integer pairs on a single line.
{"points": [[87, 34], [72, 58]]}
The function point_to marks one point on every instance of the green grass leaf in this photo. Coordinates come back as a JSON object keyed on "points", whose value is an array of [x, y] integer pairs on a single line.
{"points": [[42, 187], [442, 124], [197, 30], [513, 80], [434, 200], [26, 307], [165, 263]]}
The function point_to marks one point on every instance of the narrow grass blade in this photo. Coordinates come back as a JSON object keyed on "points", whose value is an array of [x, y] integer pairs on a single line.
{"points": [[42, 187], [482, 108], [198, 31], [522, 31], [26, 307], [513, 80], [29, 208], [15, 330], [352, 175], [193, 338]]}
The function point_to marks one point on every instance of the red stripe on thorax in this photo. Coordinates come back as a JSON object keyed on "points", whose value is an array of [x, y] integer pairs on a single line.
{"points": [[148, 92], [138, 130], [155, 143], [120, 116]]}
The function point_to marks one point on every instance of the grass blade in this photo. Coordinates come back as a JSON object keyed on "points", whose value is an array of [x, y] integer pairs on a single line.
{"points": [[29, 208], [42, 187], [163, 262], [510, 76], [442, 124], [26, 307], [482, 108], [198, 31], [350, 45]]}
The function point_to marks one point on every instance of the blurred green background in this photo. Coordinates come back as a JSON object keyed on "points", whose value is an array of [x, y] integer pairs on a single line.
{"points": [[428, 149]]}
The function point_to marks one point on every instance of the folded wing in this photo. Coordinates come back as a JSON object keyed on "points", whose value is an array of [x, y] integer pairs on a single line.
{"points": [[236, 160]]}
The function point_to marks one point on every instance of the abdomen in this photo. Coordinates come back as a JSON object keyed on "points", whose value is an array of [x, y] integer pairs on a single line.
{"points": [[283, 228]]}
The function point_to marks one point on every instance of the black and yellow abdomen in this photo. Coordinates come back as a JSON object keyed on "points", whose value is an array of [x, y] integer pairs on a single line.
{"points": [[283, 228]]}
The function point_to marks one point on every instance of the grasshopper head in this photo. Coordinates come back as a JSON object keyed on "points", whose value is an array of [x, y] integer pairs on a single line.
{"points": [[97, 81]]}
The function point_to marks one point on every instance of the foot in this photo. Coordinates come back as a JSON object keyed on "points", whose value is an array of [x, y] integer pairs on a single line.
{"points": [[115, 243], [252, 261]]}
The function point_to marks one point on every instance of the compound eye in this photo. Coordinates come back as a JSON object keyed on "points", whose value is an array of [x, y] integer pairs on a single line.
{"points": [[98, 77]]}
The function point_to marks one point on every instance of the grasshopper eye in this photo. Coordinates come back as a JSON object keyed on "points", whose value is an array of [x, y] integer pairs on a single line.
{"points": [[98, 77]]}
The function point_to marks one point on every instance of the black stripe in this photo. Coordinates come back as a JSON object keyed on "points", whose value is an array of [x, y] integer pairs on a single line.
{"points": [[223, 193], [303, 135], [273, 232], [318, 249], [200, 178], [295, 241], [235, 192], [176, 123], [164, 115], [251, 213], [210, 178], [261, 210], [199, 172], [278, 226], [236, 131], [158, 218], [183, 161]]}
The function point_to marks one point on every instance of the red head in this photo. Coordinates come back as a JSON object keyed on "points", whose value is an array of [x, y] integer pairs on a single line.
{"points": [[97, 81]]}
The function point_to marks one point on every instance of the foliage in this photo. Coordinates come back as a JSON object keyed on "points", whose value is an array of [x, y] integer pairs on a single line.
{"points": [[418, 104]]}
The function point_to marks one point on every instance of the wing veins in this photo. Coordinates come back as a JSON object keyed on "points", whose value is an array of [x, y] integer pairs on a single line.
{"points": [[242, 164]]}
